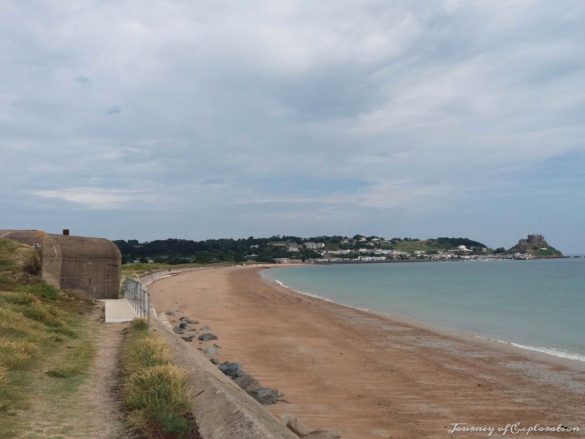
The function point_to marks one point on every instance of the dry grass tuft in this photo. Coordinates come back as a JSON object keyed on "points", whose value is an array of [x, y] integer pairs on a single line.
{"points": [[17, 354], [155, 391]]}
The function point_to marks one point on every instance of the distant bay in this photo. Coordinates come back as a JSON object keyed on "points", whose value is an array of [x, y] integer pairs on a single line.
{"points": [[537, 304]]}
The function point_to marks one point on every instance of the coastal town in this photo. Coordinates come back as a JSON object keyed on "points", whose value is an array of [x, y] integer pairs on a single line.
{"points": [[363, 249], [330, 250]]}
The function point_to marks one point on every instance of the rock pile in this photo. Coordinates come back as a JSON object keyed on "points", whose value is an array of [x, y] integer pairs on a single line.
{"points": [[264, 395]]}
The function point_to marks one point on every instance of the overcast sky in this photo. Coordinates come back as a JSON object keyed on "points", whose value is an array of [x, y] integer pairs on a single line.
{"points": [[152, 119]]}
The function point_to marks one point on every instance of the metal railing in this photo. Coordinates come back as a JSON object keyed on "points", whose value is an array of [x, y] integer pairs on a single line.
{"points": [[138, 296]]}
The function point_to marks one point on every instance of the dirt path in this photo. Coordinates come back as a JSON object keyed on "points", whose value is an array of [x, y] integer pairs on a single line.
{"points": [[84, 407], [366, 376]]}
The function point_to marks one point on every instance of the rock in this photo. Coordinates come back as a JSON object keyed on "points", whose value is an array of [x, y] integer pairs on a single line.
{"points": [[207, 337], [265, 395], [183, 324], [188, 338], [233, 370], [170, 313], [178, 329], [190, 321], [323, 434], [247, 382], [214, 360], [297, 427], [285, 418], [212, 350]]}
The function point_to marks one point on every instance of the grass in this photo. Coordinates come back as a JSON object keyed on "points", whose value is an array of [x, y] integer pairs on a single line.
{"points": [[140, 269], [75, 363], [155, 391], [37, 326], [19, 264]]}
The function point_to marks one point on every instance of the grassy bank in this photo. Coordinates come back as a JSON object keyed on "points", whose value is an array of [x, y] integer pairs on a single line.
{"points": [[41, 332], [154, 390], [140, 269]]}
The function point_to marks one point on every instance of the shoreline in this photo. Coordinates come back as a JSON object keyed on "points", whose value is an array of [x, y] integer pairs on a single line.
{"points": [[367, 375], [554, 356]]}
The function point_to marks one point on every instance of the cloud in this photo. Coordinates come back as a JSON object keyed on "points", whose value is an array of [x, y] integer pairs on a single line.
{"points": [[113, 110], [384, 195], [95, 198], [364, 107]]}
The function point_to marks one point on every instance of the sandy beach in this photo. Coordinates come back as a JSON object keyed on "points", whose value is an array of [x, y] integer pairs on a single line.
{"points": [[370, 376]]}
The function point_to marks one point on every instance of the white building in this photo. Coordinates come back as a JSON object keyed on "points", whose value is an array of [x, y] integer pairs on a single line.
{"points": [[314, 245]]}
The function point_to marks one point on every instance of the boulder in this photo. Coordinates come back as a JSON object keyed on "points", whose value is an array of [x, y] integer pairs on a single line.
{"points": [[214, 361], [265, 395], [297, 427], [178, 330], [212, 350], [182, 324], [207, 337], [247, 382], [188, 338], [233, 370]]}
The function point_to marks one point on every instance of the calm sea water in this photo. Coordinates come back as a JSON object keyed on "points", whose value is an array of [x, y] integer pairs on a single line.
{"points": [[537, 305]]}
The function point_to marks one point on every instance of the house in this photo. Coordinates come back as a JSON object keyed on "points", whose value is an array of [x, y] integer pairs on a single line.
{"points": [[314, 245], [292, 247], [463, 249]]}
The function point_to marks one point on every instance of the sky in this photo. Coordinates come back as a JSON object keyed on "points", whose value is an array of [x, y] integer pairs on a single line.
{"points": [[151, 119]]}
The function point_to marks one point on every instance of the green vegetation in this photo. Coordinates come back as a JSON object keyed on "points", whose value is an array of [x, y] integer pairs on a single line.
{"points": [[76, 362], [40, 330], [165, 253], [546, 253], [154, 391], [139, 269]]}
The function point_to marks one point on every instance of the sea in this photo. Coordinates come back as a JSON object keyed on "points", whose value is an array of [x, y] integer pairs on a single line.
{"points": [[537, 305]]}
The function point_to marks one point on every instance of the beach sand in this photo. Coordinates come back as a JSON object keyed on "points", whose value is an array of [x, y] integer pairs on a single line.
{"points": [[369, 376]]}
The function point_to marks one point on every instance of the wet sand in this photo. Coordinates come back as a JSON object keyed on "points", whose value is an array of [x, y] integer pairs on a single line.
{"points": [[369, 376]]}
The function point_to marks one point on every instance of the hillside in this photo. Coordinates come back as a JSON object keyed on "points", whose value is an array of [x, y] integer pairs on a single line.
{"points": [[48, 348], [535, 246], [434, 245], [181, 251]]}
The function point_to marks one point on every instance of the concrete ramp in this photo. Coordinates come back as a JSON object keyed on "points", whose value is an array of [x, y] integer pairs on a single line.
{"points": [[119, 311]]}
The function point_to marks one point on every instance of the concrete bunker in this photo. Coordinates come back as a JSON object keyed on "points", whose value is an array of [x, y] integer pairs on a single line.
{"points": [[80, 265]]}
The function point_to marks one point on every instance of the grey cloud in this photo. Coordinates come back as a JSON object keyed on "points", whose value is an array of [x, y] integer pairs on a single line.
{"points": [[362, 91], [113, 110]]}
